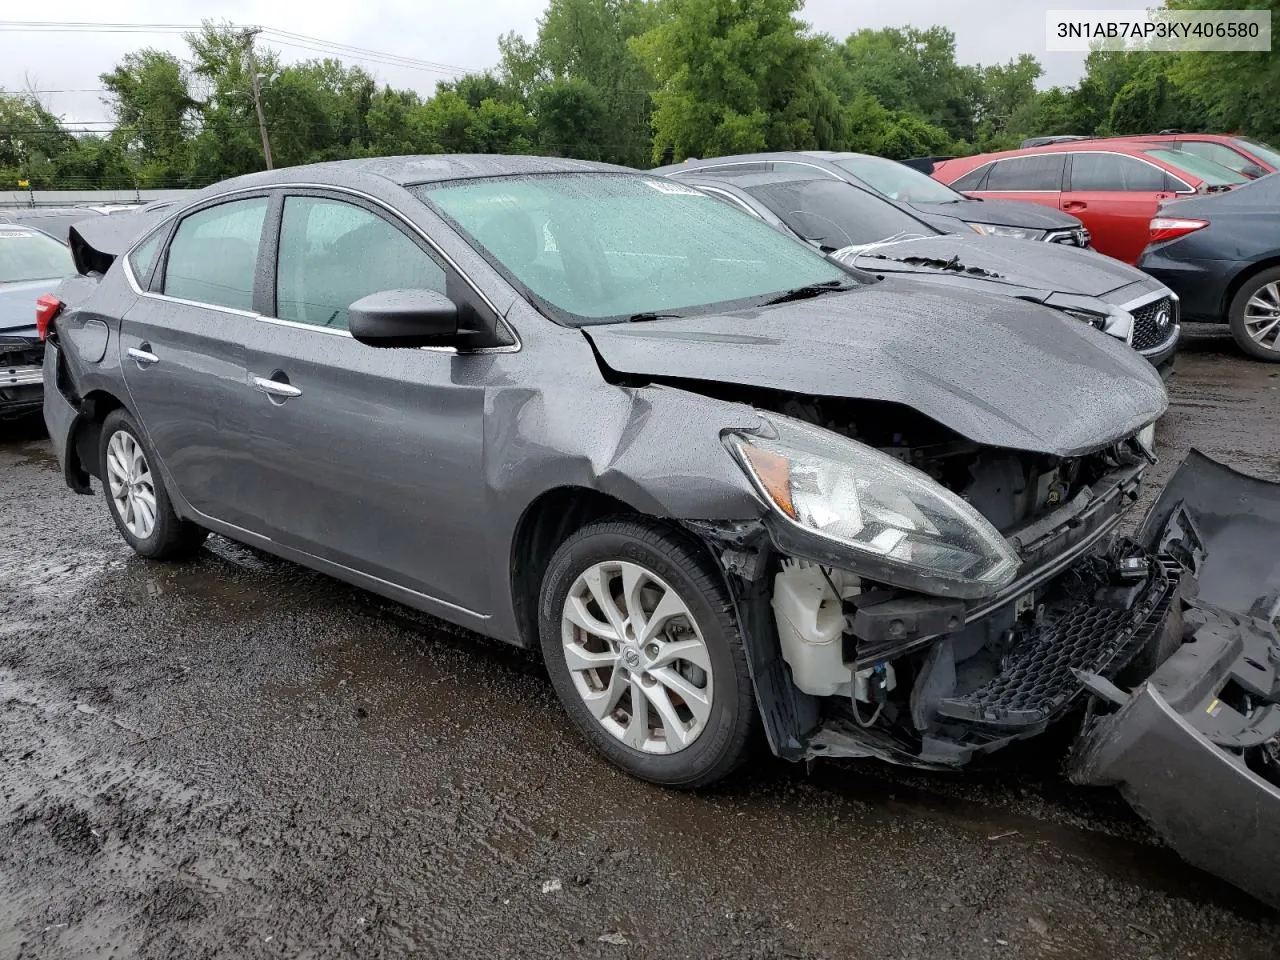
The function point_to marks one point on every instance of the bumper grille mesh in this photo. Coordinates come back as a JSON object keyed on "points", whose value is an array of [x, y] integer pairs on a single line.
{"points": [[1036, 679]]}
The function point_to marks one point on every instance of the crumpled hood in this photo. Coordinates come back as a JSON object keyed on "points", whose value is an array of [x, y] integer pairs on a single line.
{"points": [[1004, 213], [994, 369], [18, 306], [1050, 266]]}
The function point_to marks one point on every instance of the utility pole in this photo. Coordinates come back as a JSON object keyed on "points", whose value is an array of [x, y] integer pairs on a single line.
{"points": [[249, 34]]}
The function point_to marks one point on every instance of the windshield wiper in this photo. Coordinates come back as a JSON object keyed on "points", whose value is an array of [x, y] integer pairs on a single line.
{"points": [[642, 317], [936, 263], [811, 290]]}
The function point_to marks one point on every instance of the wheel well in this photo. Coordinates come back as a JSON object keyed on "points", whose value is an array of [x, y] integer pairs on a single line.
{"points": [[547, 522], [1238, 281], [97, 404]]}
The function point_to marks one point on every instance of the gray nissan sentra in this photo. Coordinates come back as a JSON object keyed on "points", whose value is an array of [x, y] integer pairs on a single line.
{"points": [[726, 486]]}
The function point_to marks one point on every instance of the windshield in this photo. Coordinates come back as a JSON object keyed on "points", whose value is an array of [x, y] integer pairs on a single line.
{"points": [[835, 214], [31, 255], [898, 182], [1262, 151], [1211, 173], [604, 247]]}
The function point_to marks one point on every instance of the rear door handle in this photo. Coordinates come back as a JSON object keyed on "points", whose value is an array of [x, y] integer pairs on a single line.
{"points": [[274, 388], [1075, 205], [143, 355]]}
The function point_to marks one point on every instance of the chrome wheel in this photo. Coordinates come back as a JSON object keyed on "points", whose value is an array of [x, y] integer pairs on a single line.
{"points": [[132, 489], [1262, 316], [637, 657]]}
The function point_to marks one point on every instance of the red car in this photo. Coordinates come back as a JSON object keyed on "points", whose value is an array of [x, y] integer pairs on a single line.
{"points": [[1113, 186], [1249, 157]]}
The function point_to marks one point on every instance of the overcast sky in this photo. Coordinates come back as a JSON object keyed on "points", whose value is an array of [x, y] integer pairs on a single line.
{"points": [[459, 34]]}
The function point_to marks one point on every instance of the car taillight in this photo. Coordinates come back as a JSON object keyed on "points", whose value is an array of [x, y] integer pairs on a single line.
{"points": [[47, 307], [1170, 228]]}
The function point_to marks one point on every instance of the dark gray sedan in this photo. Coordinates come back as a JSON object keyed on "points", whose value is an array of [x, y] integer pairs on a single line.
{"points": [[914, 192], [1221, 253], [723, 484]]}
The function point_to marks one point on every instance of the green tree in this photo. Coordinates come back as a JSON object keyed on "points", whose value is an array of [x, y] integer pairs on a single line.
{"points": [[732, 76], [572, 119], [589, 41], [155, 114]]}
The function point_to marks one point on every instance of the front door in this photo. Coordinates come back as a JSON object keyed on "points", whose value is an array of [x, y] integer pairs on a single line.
{"points": [[1115, 196], [371, 458], [182, 354]]}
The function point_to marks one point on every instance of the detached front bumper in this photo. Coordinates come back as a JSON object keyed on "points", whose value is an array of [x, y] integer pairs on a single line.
{"points": [[1196, 747]]}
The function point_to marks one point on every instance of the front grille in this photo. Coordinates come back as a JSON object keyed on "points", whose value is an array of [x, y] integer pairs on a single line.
{"points": [[1154, 323], [1037, 681]]}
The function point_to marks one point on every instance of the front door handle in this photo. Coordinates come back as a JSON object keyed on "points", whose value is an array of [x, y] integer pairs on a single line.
{"points": [[275, 388], [143, 356], [1074, 205]]}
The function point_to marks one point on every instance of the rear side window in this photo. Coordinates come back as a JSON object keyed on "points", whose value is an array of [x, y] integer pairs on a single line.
{"points": [[143, 258], [973, 179], [214, 254], [1042, 172], [332, 253], [1113, 171], [1215, 152]]}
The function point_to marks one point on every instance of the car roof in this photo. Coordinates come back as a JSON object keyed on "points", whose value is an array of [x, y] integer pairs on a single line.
{"points": [[408, 170], [759, 178]]}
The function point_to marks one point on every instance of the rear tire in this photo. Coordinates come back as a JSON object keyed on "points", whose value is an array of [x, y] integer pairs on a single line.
{"points": [[670, 703], [1251, 314], [136, 497]]}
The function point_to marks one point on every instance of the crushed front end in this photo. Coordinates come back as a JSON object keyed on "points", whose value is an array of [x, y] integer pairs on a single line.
{"points": [[852, 659]]}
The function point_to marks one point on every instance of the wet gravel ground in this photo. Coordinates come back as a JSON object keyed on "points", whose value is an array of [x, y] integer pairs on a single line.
{"points": [[235, 757]]}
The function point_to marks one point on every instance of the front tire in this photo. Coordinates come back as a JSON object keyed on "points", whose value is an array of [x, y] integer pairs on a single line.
{"points": [[1254, 316], [136, 497], [639, 637]]}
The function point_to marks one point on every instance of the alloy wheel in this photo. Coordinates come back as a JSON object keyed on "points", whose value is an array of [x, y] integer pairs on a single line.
{"points": [[1262, 316], [132, 488], [637, 657]]}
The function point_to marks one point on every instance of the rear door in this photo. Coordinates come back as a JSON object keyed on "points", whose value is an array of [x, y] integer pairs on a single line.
{"points": [[182, 351], [1116, 196], [370, 458], [1035, 178]]}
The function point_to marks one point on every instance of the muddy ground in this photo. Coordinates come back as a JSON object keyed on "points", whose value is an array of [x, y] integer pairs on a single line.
{"points": [[238, 758]]}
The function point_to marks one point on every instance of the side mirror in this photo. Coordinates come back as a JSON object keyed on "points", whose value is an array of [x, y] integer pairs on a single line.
{"points": [[1253, 171], [404, 318]]}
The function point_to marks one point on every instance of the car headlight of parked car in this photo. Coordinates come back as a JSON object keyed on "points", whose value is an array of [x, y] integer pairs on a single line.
{"points": [[1017, 233], [1114, 322], [902, 525]]}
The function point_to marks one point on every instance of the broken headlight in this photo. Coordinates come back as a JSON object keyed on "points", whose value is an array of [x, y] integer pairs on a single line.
{"points": [[903, 527]]}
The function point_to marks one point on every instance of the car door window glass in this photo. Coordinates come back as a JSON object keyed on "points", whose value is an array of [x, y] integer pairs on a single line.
{"points": [[1043, 172], [143, 256], [973, 179], [214, 254], [332, 253], [1112, 171]]}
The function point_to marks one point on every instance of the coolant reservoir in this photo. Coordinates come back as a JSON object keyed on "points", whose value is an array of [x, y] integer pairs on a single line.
{"points": [[810, 622]]}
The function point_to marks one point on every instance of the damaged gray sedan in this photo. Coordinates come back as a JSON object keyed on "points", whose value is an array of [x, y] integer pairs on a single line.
{"points": [[722, 483]]}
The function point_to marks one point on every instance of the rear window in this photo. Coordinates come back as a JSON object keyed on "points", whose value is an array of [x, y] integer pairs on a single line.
{"points": [[897, 181], [1211, 173], [32, 255], [1263, 151], [835, 214]]}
